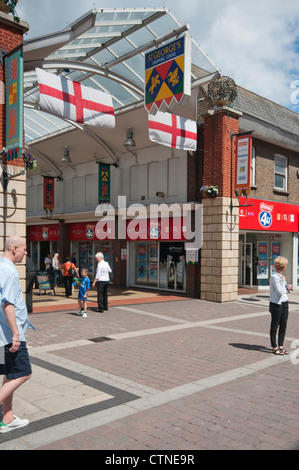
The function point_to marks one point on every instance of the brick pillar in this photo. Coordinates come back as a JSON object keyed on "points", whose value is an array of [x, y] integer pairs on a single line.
{"points": [[13, 199], [64, 241], [219, 254], [119, 265]]}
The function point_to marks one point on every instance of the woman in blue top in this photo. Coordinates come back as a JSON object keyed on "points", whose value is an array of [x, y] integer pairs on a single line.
{"points": [[279, 307], [83, 292]]}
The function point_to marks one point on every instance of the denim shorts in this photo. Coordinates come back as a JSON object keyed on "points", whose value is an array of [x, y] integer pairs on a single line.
{"points": [[16, 364]]}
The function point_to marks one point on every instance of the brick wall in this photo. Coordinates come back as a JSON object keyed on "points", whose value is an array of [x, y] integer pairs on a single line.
{"points": [[219, 253], [264, 187], [219, 124]]}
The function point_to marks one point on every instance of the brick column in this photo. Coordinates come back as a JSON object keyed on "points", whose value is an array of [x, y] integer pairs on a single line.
{"points": [[64, 241], [219, 254], [13, 199]]}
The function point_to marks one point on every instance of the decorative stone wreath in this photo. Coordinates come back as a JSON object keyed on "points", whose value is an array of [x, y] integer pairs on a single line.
{"points": [[8, 6], [222, 89]]}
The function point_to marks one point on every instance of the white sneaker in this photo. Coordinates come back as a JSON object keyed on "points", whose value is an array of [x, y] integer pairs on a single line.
{"points": [[15, 424], [84, 314]]}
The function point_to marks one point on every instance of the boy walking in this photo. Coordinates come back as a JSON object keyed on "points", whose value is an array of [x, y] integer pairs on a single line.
{"points": [[83, 292]]}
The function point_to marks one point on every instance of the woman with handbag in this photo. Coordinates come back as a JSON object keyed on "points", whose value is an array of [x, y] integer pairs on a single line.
{"points": [[69, 271], [279, 307]]}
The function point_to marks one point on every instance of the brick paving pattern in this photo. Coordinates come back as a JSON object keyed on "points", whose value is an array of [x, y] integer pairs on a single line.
{"points": [[178, 374]]}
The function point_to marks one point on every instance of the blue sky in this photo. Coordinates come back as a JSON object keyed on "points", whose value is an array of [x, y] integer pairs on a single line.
{"points": [[256, 43]]}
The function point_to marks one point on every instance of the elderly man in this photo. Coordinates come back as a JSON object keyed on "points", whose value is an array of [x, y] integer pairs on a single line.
{"points": [[102, 282], [15, 364]]}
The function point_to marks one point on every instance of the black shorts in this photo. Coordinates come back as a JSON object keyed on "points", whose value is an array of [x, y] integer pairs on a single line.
{"points": [[15, 364]]}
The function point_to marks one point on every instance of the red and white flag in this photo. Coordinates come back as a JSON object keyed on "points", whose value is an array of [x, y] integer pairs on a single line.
{"points": [[75, 101], [173, 131]]}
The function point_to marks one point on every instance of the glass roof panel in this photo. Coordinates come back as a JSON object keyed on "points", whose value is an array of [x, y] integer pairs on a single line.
{"points": [[164, 25], [111, 42], [141, 37], [133, 72], [120, 48]]}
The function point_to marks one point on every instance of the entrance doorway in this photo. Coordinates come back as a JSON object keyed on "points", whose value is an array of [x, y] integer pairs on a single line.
{"points": [[257, 252], [245, 264], [172, 266]]}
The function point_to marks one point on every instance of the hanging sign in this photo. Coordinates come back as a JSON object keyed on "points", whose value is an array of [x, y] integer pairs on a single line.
{"points": [[14, 107], [168, 75], [48, 194], [104, 184], [243, 164]]}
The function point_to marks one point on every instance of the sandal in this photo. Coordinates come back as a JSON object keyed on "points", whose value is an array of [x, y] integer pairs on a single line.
{"points": [[283, 351], [276, 351]]}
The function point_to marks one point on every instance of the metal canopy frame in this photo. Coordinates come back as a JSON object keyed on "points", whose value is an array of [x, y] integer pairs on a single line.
{"points": [[104, 49]]}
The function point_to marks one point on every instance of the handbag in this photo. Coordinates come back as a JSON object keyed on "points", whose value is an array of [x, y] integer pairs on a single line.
{"points": [[71, 271]]}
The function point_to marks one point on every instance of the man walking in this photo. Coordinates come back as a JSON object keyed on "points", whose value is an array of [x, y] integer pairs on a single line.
{"points": [[15, 365], [102, 282]]}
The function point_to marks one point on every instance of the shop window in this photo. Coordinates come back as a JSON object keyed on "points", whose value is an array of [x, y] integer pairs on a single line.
{"points": [[105, 247], [147, 263], [280, 172]]}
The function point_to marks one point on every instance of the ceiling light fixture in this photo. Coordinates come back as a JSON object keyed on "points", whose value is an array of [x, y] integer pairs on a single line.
{"points": [[66, 156], [129, 142]]}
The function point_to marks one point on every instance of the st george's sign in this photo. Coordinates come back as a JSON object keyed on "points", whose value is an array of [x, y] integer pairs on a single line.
{"points": [[168, 75]]}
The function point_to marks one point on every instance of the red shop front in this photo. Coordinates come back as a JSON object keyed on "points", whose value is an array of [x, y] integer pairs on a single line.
{"points": [[157, 256], [85, 244], [267, 229], [43, 239]]}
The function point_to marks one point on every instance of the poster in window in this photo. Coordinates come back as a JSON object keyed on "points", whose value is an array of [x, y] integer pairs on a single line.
{"points": [[141, 271], [153, 272], [141, 251], [262, 270], [153, 251], [262, 250]]}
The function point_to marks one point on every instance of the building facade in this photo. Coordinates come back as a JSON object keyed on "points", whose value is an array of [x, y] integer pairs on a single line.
{"points": [[240, 238]]}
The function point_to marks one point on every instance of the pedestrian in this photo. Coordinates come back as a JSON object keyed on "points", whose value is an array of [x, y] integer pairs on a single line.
{"points": [[279, 306], [69, 271], [48, 262], [30, 280], [73, 259], [102, 282], [15, 366], [83, 292], [56, 270]]}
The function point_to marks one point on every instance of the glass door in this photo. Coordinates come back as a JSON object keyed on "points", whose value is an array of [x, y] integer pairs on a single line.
{"points": [[248, 264], [241, 264]]}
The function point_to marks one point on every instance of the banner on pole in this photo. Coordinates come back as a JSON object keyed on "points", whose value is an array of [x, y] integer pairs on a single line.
{"points": [[104, 184], [243, 164], [14, 107], [168, 75], [48, 194]]}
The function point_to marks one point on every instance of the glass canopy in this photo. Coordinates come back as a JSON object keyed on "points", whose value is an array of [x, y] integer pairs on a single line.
{"points": [[104, 49]]}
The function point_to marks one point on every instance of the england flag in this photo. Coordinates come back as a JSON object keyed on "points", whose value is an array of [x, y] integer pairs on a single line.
{"points": [[74, 101], [173, 131]]}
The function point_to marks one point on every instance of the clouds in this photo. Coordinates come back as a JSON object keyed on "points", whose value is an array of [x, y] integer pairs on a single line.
{"points": [[256, 42]]}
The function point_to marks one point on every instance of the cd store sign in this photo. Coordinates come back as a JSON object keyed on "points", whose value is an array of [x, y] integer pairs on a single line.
{"points": [[271, 216]]}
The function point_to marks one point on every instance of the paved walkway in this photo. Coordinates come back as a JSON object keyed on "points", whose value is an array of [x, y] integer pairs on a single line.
{"points": [[158, 372]]}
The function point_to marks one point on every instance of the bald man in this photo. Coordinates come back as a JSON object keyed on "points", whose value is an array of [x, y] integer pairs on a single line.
{"points": [[15, 364]]}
